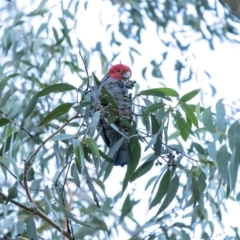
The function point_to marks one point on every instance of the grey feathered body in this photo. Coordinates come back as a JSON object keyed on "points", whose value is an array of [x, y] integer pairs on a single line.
{"points": [[118, 89]]}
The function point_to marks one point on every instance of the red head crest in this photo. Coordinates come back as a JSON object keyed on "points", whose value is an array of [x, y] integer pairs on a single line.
{"points": [[120, 72]]}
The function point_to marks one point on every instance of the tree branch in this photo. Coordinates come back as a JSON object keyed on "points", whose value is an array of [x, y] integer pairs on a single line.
{"points": [[39, 213]]}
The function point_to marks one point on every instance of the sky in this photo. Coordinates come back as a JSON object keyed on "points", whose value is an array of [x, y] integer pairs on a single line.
{"points": [[222, 64]]}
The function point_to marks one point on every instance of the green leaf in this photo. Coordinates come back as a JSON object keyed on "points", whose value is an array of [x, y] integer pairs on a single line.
{"points": [[108, 170], [233, 135], [94, 122], [189, 113], [30, 175], [31, 228], [160, 92], [196, 108], [171, 193], [182, 126], [56, 112], [59, 87], [133, 163], [55, 33], [233, 168], [152, 109], [53, 212], [5, 147], [111, 118], [70, 216], [127, 207], [79, 153], [143, 169], [115, 147], [223, 157], [106, 98], [103, 155], [81, 106], [30, 107], [91, 188], [202, 182], [189, 96], [12, 193], [195, 190], [75, 175], [92, 145], [157, 146], [61, 137], [37, 12], [162, 189], [207, 120], [220, 115], [3, 121], [155, 124], [42, 27], [199, 148]]}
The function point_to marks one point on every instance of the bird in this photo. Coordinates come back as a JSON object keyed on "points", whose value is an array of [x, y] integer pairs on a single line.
{"points": [[117, 82]]}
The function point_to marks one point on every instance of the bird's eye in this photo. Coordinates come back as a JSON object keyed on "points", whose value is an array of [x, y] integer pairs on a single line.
{"points": [[119, 70]]}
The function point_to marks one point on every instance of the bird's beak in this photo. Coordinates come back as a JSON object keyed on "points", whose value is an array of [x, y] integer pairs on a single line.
{"points": [[126, 75]]}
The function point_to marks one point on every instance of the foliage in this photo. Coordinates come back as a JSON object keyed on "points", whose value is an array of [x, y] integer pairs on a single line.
{"points": [[54, 168]]}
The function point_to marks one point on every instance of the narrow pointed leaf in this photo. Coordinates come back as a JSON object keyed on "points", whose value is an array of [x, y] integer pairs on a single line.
{"points": [[31, 228], [220, 114], [53, 212], [189, 113], [3, 121], [12, 192], [199, 148], [5, 147], [92, 188], [160, 92], [133, 163], [115, 147], [190, 95], [171, 193], [94, 122], [223, 157], [143, 169], [30, 107], [162, 189], [61, 137], [79, 153], [30, 175], [202, 182], [233, 135], [92, 145], [207, 120], [195, 190], [59, 87], [152, 109], [56, 112]]}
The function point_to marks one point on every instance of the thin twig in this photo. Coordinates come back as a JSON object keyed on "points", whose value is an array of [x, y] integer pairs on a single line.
{"points": [[16, 124], [51, 136], [69, 223], [1, 163], [182, 153], [56, 182], [85, 66], [29, 161]]}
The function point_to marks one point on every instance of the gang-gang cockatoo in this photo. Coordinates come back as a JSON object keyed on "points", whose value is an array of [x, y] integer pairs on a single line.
{"points": [[117, 82]]}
